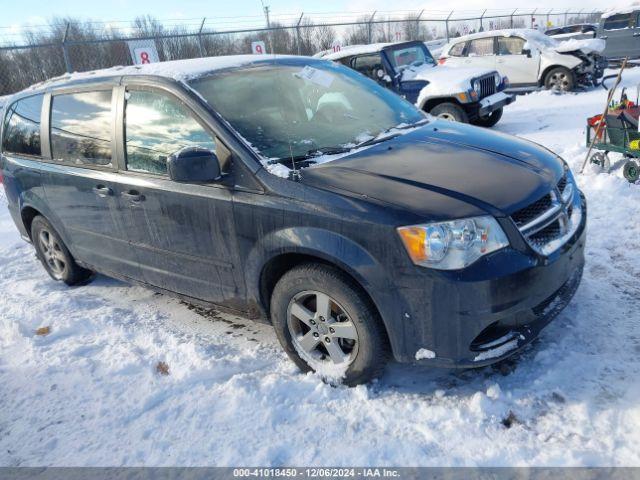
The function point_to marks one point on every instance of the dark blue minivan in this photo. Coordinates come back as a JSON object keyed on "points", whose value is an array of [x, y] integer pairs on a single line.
{"points": [[298, 192]]}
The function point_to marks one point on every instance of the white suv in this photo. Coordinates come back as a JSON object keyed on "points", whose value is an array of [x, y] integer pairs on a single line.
{"points": [[529, 58]]}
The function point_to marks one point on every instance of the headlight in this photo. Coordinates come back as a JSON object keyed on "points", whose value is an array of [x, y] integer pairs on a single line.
{"points": [[477, 88], [497, 79], [452, 245]]}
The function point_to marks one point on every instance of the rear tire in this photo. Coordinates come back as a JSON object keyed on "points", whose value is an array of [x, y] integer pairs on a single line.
{"points": [[490, 120], [559, 79], [54, 255], [326, 324], [450, 111]]}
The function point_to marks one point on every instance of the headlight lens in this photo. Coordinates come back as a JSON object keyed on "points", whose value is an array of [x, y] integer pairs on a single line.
{"points": [[477, 88], [452, 245], [497, 79]]}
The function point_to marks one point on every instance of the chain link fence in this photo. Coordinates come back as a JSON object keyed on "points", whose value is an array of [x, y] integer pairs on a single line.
{"points": [[71, 49]]}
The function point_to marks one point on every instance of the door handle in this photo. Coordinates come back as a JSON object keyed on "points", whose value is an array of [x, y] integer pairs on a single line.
{"points": [[102, 191], [133, 196], [604, 37]]}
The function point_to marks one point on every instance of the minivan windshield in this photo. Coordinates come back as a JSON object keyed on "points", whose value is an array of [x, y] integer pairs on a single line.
{"points": [[291, 111]]}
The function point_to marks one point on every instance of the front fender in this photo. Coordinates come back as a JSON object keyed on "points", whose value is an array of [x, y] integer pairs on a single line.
{"points": [[337, 250]]}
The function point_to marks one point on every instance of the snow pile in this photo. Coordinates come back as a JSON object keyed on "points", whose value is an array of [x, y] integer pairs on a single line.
{"points": [[592, 45], [91, 391], [634, 6], [424, 354], [355, 50]]}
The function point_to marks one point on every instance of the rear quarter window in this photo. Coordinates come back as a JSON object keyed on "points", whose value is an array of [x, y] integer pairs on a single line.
{"points": [[21, 131], [457, 50], [81, 128]]}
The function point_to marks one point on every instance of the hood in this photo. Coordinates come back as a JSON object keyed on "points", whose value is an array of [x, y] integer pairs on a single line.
{"points": [[587, 46], [454, 79], [445, 170]]}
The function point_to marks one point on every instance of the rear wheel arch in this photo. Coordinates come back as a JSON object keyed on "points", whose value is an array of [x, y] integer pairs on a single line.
{"points": [[28, 214]]}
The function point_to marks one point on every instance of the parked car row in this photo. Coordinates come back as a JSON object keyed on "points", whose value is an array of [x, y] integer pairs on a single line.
{"points": [[357, 225], [472, 95]]}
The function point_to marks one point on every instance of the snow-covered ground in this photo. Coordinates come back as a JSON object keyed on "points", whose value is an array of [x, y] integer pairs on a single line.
{"points": [[89, 393]]}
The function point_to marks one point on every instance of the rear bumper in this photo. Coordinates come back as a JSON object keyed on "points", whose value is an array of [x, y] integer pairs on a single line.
{"points": [[490, 310]]}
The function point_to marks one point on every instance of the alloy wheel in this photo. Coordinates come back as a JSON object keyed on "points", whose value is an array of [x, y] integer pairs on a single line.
{"points": [[560, 81], [321, 330], [52, 254]]}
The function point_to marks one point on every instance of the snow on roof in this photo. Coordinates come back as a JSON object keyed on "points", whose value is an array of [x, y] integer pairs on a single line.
{"points": [[622, 9], [182, 70], [356, 50], [510, 32]]}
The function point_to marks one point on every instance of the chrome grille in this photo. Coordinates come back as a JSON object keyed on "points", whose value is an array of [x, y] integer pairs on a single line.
{"points": [[487, 85], [525, 215], [549, 222]]}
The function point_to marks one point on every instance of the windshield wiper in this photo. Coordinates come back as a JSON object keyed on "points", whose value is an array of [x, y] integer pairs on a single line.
{"points": [[375, 140], [380, 139], [308, 158], [412, 125]]}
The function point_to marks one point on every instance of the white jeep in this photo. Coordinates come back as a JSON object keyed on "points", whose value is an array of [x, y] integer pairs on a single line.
{"points": [[471, 95]]}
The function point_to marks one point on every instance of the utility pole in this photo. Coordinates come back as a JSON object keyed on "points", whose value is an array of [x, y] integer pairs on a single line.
{"points": [[266, 14], [266, 9]]}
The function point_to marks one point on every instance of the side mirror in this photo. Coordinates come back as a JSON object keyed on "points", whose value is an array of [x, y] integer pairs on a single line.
{"points": [[193, 164], [527, 52]]}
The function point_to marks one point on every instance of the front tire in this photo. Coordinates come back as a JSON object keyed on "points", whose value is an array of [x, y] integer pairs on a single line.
{"points": [[490, 120], [326, 324], [54, 255], [450, 111], [559, 79]]}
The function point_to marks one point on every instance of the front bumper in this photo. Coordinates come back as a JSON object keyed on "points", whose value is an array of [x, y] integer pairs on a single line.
{"points": [[492, 309], [494, 102], [488, 105]]}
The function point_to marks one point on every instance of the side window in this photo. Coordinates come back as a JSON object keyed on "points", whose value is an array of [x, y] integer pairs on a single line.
{"points": [[457, 50], [368, 64], [22, 127], [510, 45], [157, 126], [481, 47], [617, 22], [81, 128]]}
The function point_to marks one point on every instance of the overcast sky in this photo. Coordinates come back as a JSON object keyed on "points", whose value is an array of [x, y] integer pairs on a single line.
{"points": [[36, 12]]}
